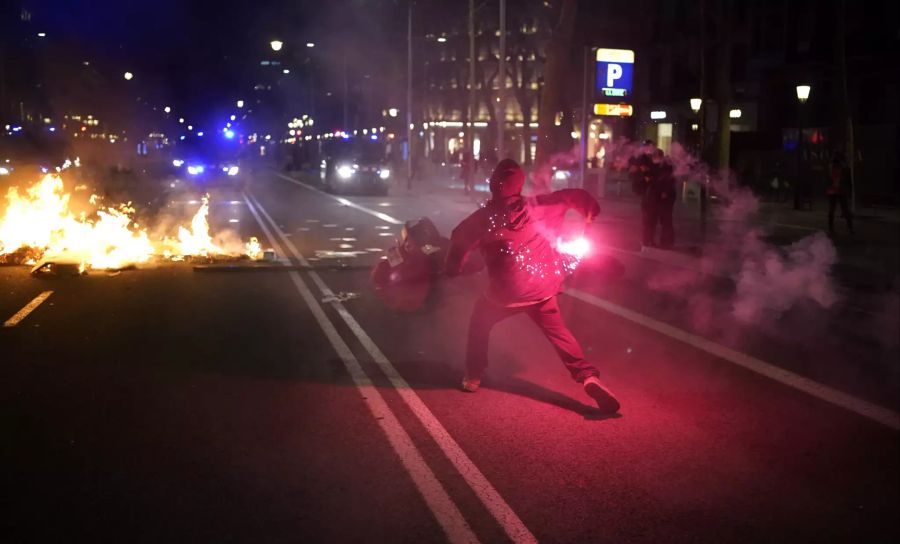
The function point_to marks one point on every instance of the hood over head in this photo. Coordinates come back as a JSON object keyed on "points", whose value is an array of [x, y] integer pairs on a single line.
{"points": [[507, 180]]}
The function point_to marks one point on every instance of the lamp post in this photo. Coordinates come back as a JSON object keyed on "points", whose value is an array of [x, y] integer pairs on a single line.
{"points": [[276, 45], [409, 97], [697, 108], [802, 97]]}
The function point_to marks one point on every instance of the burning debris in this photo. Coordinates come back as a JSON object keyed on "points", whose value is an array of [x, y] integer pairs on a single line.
{"points": [[41, 227]]}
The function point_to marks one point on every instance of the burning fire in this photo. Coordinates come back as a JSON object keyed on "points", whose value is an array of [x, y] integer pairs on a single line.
{"points": [[40, 223]]}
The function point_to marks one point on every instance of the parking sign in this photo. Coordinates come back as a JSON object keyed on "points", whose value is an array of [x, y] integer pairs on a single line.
{"points": [[615, 68]]}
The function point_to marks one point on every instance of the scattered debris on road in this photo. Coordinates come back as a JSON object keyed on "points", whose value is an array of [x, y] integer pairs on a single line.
{"points": [[340, 297]]}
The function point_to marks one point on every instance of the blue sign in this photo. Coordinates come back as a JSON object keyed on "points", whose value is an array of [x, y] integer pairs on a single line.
{"points": [[615, 71]]}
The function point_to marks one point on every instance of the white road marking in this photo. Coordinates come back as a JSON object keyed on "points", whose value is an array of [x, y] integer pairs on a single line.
{"points": [[885, 416], [436, 497], [383, 216], [492, 500], [27, 309]]}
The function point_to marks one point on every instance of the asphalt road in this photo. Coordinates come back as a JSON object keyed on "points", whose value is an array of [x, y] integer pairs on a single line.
{"points": [[232, 405]]}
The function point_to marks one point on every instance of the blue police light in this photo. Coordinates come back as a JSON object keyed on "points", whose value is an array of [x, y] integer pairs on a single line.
{"points": [[52, 129], [373, 137], [229, 134], [181, 137], [200, 134]]}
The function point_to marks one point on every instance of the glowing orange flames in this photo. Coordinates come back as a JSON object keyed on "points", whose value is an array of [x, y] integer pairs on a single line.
{"points": [[40, 221]]}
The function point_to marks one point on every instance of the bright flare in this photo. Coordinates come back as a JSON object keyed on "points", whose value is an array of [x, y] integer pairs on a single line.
{"points": [[578, 247]]}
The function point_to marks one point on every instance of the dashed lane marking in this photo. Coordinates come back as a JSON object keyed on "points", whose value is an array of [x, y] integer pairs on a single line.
{"points": [[436, 497], [30, 307], [885, 416], [484, 490]]}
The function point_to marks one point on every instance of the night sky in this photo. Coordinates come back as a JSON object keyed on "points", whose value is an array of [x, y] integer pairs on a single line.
{"points": [[201, 55]]}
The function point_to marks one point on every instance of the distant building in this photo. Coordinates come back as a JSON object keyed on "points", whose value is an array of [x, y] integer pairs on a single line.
{"points": [[444, 87]]}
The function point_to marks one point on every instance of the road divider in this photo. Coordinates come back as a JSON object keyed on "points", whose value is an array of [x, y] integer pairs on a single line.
{"points": [[884, 416], [27, 309], [436, 497], [483, 489]]}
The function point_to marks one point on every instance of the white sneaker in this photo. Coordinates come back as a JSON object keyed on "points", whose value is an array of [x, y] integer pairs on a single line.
{"points": [[606, 402]]}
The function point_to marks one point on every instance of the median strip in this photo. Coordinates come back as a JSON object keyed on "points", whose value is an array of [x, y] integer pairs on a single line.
{"points": [[512, 525]]}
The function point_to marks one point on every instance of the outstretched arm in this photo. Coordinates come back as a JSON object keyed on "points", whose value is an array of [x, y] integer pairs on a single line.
{"points": [[464, 239], [577, 199]]}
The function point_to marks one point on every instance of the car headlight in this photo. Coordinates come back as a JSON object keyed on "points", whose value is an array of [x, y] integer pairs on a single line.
{"points": [[345, 171], [233, 170], [384, 173], [4, 171], [195, 170], [177, 163]]}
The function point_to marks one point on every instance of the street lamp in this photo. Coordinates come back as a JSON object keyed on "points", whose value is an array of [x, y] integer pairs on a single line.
{"points": [[167, 109], [802, 97], [276, 45], [128, 76], [695, 104], [310, 44], [240, 103]]}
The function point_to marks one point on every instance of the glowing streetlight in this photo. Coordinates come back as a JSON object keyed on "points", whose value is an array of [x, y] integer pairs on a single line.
{"points": [[181, 119], [240, 103], [803, 93], [695, 104], [167, 109], [285, 71], [276, 45], [128, 76], [233, 117], [310, 44], [393, 112]]}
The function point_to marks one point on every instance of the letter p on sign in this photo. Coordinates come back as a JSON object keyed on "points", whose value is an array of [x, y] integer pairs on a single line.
{"points": [[613, 72]]}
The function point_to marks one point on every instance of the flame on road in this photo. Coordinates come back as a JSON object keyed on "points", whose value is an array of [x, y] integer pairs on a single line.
{"points": [[41, 223]]}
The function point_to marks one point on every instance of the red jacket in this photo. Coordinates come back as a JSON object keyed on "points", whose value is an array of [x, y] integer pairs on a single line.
{"points": [[517, 237]]}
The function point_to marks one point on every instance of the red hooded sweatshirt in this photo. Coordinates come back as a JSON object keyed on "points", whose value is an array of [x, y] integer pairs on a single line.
{"points": [[517, 236]]}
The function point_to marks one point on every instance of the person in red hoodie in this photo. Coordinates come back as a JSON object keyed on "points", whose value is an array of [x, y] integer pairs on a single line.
{"points": [[516, 237]]}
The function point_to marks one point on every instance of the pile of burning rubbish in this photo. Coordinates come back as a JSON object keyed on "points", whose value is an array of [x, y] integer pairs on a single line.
{"points": [[42, 226]]}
